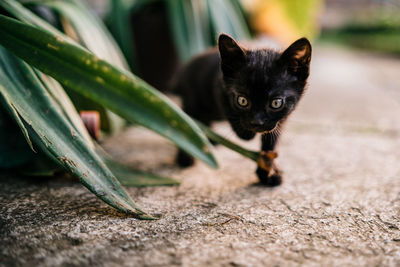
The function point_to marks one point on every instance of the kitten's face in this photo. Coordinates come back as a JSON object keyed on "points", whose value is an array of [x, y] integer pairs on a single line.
{"points": [[263, 86]]}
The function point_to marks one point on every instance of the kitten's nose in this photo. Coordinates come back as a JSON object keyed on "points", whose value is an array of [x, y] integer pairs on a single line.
{"points": [[257, 122], [260, 123]]}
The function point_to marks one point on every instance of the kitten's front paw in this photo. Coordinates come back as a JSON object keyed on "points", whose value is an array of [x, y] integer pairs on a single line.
{"points": [[268, 179], [184, 159]]}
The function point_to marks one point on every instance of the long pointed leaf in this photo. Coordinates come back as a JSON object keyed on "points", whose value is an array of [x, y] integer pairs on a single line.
{"points": [[116, 89], [118, 21], [23, 14], [91, 31], [226, 17], [187, 27]]}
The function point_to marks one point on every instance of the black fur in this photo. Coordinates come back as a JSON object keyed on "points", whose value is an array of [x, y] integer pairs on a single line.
{"points": [[213, 84]]}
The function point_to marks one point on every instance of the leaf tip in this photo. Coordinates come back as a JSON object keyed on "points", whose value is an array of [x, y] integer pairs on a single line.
{"points": [[210, 160], [146, 216]]}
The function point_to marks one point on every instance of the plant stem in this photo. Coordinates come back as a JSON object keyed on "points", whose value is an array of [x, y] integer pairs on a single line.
{"points": [[253, 155]]}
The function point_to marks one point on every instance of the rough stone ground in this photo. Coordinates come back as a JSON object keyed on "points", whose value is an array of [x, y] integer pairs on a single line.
{"points": [[339, 205]]}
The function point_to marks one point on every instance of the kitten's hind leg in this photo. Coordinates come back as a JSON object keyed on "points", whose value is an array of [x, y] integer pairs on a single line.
{"points": [[183, 159], [268, 172]]}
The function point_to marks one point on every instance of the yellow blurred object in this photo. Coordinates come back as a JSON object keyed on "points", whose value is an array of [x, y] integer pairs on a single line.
{"points": [[285, 20]]}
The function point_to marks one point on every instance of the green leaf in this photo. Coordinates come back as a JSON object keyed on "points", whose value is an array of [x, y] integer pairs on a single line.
{"points": [[119, 23], [225, 16], [53, 133], [116, 89], [25, 15], [131, 177], [189, 24], [89, 29], [196, 24]]}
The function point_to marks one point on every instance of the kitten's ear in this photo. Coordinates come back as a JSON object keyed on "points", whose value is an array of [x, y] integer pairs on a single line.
{"points": [[233, 56], [297, 58]]}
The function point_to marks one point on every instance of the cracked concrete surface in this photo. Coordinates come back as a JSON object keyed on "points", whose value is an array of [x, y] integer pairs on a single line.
{"points": [[339, 205]]}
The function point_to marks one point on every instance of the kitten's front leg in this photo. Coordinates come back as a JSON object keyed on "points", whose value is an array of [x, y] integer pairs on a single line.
{"points": [[267, 171]]}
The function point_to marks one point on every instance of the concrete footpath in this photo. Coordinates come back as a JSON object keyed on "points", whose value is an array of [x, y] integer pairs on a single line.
{"points": [[339, 204]]}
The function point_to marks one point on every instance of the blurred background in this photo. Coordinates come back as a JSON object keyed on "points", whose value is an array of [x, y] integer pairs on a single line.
{"points": [[157, 36]]}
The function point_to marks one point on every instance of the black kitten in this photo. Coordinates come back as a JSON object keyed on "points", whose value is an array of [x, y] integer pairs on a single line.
{"points": [[255, 90]]}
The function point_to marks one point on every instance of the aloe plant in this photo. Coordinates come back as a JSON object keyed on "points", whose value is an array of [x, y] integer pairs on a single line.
{"points": [[62, 138], [40, 118]]}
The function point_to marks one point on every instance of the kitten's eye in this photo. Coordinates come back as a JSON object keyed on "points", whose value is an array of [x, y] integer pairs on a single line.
{"points": [[276, 103], [242, 102]]}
